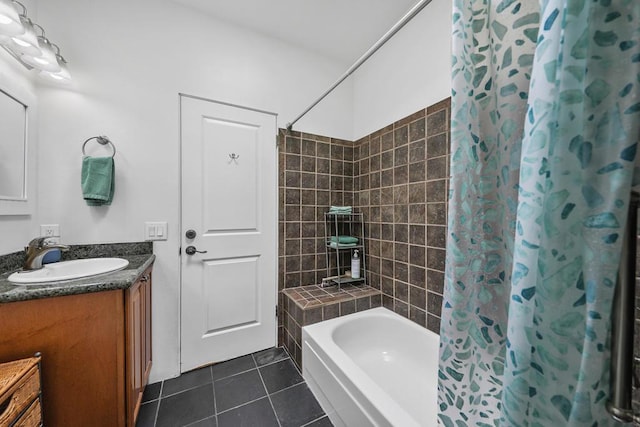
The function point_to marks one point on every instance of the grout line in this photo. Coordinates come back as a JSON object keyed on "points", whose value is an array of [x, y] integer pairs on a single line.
{"points": [[274, 362], [213, 387], [317, 419], [245, 403], [269, 397], [197, 421], [237, 373], [155, 417], [182, 391], [291, 386]]}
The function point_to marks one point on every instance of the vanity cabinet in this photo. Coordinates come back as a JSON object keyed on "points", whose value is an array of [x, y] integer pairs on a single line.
{"points": [[96, 352]]}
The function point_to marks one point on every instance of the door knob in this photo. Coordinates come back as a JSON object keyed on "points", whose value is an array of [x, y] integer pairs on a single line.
{"points": [[191, 250], [191, 234]]}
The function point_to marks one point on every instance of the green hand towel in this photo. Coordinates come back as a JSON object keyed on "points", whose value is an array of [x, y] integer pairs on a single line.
{"points": [[337, 245], [344, 239], [340, 210], [98, 180]]}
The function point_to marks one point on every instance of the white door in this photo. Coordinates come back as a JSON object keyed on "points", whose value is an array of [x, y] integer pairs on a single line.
{"points": [[229, 198]]}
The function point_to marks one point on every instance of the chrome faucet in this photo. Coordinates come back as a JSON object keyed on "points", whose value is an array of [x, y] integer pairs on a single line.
{"points": [[36, 250]]}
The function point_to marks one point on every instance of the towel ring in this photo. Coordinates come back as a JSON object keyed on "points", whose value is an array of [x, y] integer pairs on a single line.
{"points": [[102, 140]]}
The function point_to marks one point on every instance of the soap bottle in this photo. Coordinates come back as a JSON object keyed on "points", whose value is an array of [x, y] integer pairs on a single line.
{"points": [[355, 265]]}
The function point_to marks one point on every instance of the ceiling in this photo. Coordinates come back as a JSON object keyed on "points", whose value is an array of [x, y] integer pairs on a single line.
{"points": [[339, 29]]}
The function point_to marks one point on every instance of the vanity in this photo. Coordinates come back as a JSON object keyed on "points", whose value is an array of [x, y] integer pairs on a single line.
{"points": [[94, 335]]}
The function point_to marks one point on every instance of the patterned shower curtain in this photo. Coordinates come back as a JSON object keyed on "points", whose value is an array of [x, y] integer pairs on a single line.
{"points": [[545, 124]]}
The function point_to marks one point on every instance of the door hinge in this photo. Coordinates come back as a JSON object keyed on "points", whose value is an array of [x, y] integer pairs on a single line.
{"points": [[180, 251], [276, 310]]}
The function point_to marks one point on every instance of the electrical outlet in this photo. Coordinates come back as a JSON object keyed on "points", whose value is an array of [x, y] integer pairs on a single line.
{"points": [[50, 230]]}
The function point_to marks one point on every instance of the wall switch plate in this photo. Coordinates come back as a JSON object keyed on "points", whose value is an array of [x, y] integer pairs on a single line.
{"points": [[155, 230]]}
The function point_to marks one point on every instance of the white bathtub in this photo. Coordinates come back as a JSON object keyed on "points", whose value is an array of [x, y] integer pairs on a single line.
{"points": [[372, 368]]}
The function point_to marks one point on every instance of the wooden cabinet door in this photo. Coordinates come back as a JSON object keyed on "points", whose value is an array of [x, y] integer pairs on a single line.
{"points": [[135, 348], [138, 330], [146, 365]]}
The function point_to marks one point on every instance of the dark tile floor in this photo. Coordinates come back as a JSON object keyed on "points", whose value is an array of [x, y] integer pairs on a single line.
{"points": [[258, 390]]}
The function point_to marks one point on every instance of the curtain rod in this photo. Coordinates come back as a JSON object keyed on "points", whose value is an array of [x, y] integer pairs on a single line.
{"points": [[401, 23]]}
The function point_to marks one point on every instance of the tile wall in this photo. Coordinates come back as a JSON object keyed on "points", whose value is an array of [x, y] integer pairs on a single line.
{"points": [[402, 179], [397, 176], [315, 172]]}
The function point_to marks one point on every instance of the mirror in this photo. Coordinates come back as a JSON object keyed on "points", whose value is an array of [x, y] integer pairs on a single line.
{"points": [[13, 148], [17, 145]]}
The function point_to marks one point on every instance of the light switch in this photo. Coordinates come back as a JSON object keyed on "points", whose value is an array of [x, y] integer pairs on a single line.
{"points": [[155, 230]]}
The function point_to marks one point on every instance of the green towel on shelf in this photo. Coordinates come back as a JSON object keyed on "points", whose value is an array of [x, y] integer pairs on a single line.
{"points": [[344, 239], [337, 245], [98, 180], [340, 209]]}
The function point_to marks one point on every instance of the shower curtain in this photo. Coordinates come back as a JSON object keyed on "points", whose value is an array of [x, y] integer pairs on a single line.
{"points": [[545, 124]]}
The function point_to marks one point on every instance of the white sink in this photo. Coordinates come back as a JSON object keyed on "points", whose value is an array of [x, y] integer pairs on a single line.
{"points": [[67, 270]]}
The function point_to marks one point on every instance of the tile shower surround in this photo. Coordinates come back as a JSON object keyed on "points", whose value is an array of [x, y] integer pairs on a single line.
{"points": [[402, 177], [398, 177], [400, 181]]}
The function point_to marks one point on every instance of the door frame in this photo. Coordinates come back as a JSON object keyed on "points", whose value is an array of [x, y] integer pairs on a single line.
{"points": [[182, 95]]}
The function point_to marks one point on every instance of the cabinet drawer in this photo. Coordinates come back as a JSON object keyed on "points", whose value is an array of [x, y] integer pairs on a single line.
{"points": [[31, 418], [19, 397]]}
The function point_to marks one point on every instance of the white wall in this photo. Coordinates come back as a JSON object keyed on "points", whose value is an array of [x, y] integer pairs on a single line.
{"points": [[130, 59], [411, 71]]}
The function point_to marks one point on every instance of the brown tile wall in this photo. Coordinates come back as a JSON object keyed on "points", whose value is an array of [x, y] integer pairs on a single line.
{"points": [[315, 172], [402, 176], [398, 177]]}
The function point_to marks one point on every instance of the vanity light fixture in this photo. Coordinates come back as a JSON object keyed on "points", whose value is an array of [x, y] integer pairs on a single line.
{"points": [[23, 43], [47, 59], [61, 76], [27, 41]]}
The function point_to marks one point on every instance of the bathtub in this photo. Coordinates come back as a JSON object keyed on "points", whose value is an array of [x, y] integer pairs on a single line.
{"points": [[372, 368]]}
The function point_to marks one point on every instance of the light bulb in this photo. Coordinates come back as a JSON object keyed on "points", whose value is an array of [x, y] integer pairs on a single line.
{"points": [[46, 60], [10, 24], [63, 76], [27, 42]]}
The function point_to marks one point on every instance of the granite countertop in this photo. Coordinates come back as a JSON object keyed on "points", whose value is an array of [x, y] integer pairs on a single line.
{"points": [[139, 255]]}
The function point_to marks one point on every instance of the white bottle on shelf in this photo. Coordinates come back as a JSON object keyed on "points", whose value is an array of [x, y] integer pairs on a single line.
{"points": [[355, 265]]}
